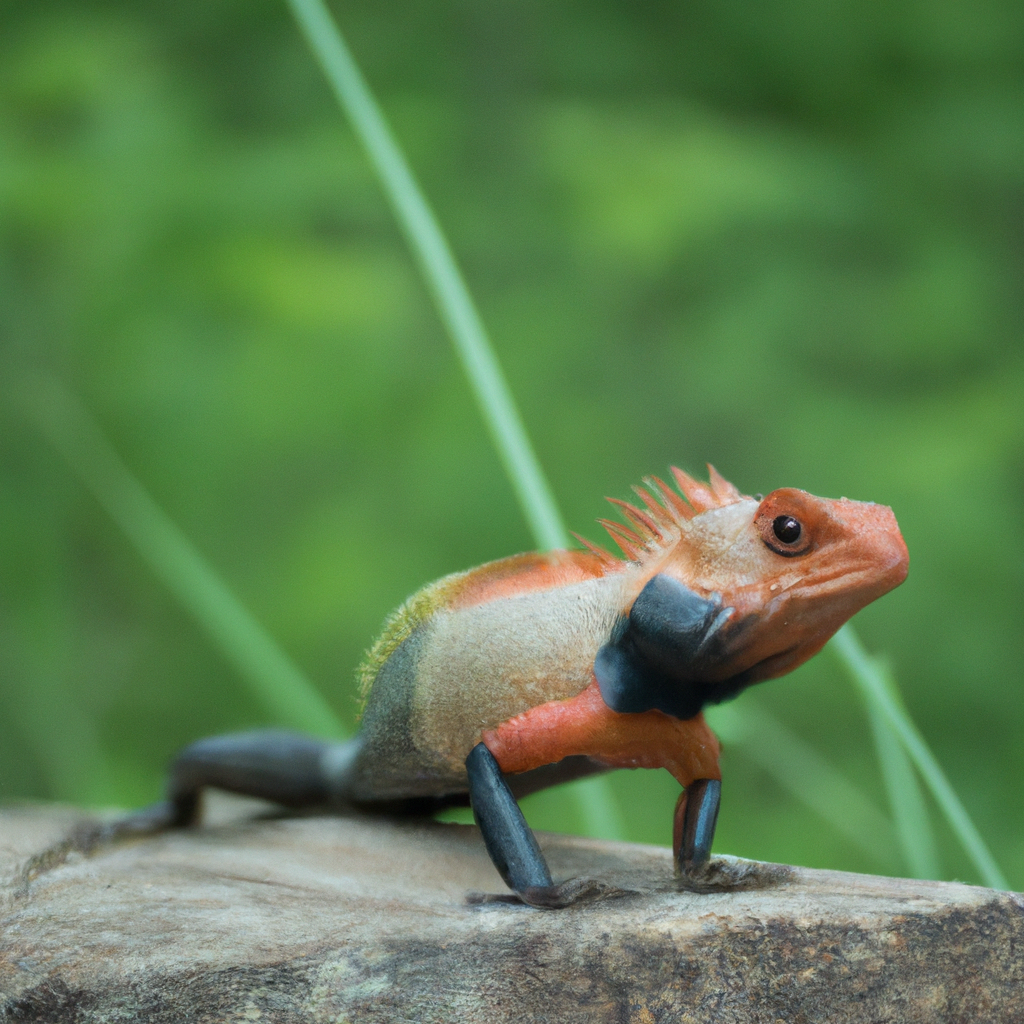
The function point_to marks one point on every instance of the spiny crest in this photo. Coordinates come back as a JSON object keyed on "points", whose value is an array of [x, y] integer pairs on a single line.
{"points": [[661, 524]]}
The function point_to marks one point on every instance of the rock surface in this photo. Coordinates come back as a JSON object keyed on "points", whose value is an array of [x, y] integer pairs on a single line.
{"points": [[356, 919]]}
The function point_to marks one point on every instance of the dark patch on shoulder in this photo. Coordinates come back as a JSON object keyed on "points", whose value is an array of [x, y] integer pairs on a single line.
{"points": [[665, 654]]}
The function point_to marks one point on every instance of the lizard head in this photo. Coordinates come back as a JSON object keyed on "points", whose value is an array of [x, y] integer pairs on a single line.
{"points": [[793, 567], [733, 590]]}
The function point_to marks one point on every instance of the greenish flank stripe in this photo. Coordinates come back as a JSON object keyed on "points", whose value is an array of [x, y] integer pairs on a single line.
{"points": [[870, 678], [442, 275], [279, 686]]}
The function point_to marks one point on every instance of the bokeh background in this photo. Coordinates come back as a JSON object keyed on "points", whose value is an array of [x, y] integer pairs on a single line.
{"points": [[786, 239]]}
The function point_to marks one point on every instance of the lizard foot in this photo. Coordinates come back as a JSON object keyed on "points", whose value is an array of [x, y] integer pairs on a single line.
{"points": [[555, 897]]}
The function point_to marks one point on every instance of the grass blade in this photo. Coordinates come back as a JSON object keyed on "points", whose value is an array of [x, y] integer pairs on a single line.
{"points": [[906, 799], [870, 678], [272, 677], [440, 271], [800, 770], [460, 317]]}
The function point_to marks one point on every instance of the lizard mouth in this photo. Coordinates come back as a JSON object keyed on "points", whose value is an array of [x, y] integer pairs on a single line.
{"points": [[766, 668]]}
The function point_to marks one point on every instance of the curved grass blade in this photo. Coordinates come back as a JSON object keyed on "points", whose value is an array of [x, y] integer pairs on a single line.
{"points": [[272, 677], [805, 774], [446, 284], [460, 317], [876, 689], [905, 798]]}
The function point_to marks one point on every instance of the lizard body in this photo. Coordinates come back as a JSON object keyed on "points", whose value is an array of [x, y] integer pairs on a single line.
{"points": [[505, 653]]}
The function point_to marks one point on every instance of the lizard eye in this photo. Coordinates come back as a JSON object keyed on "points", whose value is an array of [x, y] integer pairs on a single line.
{"points": [[787, 529], [784, 534], [787, 523]]}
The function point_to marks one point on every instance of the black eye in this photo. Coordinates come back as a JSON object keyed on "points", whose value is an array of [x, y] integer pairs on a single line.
{"points": [[787, 529]]}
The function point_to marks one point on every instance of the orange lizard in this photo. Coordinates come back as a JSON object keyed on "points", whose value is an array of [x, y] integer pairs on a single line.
{"points": [[539, 668]]}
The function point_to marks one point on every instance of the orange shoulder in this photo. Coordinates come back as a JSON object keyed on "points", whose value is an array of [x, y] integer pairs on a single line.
{"points": [[532, 571], [584, 724]]}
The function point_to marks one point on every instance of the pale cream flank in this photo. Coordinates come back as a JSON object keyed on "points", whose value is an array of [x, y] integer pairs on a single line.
{"points": [[482, 665]]}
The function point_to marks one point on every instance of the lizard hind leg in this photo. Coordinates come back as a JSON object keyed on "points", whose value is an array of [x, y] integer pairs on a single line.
{"points": [[287, 768]]}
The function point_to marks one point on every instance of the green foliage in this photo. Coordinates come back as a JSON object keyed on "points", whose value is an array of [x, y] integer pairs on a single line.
{"points": [[784, 242]]}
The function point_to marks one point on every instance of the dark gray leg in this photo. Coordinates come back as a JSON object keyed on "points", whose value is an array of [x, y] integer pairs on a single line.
{"points": [[694, 826], [284, 767], [511, 844]]}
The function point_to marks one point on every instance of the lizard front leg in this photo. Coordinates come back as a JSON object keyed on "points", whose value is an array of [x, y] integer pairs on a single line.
{"points": [[512, 845], [693, 826]]}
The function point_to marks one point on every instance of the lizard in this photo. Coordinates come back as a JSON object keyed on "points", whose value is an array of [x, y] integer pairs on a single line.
{"points": [[489, 684]]}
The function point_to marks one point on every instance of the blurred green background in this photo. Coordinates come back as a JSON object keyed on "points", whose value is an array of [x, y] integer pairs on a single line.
{"points": [[786, 239]]}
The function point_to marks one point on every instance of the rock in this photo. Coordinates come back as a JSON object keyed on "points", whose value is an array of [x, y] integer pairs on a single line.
{"points": [[353, 919]]}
